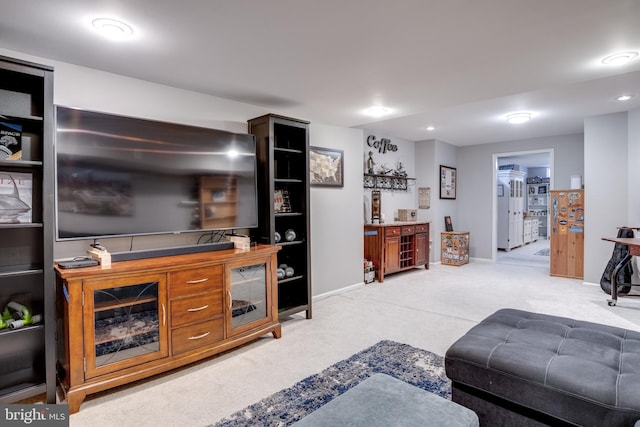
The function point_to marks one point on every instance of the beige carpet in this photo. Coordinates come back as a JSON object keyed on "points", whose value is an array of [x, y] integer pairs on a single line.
{"points": [[428, 309]]}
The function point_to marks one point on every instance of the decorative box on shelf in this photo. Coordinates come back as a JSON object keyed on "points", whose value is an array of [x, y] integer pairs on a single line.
{"points": [[407, 214]]}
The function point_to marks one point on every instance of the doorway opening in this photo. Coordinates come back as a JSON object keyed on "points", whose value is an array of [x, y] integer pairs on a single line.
{"points": [[520, 212]]}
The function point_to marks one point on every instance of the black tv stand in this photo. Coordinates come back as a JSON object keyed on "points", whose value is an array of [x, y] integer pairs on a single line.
{"points": [[176, 250]]}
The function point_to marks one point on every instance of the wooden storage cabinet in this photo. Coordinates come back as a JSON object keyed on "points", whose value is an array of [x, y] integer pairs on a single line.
{"points": [[455, 247], [27, 353], [396, 247], [566, 248], [144, 317], [283, 183]]}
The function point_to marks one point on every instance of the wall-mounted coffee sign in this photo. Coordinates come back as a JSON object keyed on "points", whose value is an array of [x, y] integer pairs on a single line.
{"points": [[382, 145]]}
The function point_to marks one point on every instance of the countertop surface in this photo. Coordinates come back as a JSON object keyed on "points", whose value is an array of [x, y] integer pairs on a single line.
{"points": [[397, 223]]}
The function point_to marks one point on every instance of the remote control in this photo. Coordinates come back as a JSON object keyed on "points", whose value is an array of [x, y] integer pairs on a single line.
{"points": [[78, 263]]}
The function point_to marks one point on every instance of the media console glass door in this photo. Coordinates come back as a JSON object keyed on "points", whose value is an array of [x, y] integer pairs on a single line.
{"points": [[125, 322], [248, 296]]}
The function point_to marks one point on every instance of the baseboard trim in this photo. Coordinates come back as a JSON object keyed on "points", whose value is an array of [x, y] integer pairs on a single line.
{"points": [[338, 291]]}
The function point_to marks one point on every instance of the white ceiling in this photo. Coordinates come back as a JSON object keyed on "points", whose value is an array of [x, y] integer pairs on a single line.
{"points": [[459, 65]]}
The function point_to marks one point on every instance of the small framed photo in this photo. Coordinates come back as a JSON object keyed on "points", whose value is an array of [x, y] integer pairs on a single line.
{"points": [[448, 225], [326, 167], [448, 182]]}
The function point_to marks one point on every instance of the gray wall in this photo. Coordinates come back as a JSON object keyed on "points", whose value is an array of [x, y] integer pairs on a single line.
{"points": [[337, 242], [336, 217], [611, 199], [476, 177]]}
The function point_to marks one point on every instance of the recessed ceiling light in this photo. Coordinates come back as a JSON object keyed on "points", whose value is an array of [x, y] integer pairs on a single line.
{"points": [[376, 111], [620, 58], [112, 28], [430, 128], [519, 117], [624, 97]]}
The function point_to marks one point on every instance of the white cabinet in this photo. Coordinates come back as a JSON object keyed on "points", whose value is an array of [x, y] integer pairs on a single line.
{"points": [[510, 209], [538, 202], [530, 230]]}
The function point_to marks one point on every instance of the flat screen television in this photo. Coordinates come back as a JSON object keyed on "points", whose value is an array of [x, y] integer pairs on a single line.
{"points": [[123, 176]]}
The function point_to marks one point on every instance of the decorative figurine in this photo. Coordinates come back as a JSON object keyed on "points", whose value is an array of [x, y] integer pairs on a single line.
{"points": [[370, 163]]}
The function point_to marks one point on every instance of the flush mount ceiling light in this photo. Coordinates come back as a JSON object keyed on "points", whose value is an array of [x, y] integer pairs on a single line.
{"points": [[624, 97], [519, 117], [112, 28], [620, 58], [430, 128], [376, 111]]}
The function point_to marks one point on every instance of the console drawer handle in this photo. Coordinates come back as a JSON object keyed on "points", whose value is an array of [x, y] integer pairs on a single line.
{"points": [[199, 336], [199, 308], [193, 282]]}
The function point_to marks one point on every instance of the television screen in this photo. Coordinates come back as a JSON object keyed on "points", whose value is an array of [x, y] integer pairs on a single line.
{"points": [[122, 176]]}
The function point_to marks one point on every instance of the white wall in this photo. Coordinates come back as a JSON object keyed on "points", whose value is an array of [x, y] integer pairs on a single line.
{"points": [[337, 243]]}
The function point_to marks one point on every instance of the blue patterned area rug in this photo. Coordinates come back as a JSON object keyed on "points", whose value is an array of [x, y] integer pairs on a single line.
{"points": [[543, 252], [404, 362]]}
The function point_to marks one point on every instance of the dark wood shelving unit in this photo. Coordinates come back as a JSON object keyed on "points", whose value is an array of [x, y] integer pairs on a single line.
{"points": [[26, 245], [283, 164]]}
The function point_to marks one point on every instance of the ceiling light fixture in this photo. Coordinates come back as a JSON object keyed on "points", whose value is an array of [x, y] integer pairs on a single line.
{"points": [[624, 97], [376, 111], [430, 128], [519, 117], [112, 28], [620, 58]]}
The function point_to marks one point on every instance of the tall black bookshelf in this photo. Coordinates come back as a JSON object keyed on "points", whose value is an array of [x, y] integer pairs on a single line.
{"points": [[283, 187], [27, 349]]}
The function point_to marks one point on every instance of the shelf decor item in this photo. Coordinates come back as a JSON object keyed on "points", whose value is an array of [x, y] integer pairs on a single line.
{"points": [[15, 197], [326, 167], [10, 141], [448, 182], [290, 235], [448, 225]]}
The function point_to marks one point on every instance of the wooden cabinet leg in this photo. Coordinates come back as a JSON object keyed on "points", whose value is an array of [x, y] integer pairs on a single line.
{"points": [[277, 332], [74, 400]]}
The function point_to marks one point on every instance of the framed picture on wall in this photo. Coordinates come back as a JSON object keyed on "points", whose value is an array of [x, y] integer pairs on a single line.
{"points": [[448, 182], [326, 167]]}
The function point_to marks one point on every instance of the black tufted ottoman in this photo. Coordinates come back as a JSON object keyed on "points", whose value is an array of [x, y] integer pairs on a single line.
{"points": [[527, 369]]}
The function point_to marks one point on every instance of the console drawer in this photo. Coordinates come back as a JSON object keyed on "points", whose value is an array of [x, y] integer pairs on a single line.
{"points": [[202, 334], [423, 228], [408, 230], [196, 308], [392, 231], [196, 280]]}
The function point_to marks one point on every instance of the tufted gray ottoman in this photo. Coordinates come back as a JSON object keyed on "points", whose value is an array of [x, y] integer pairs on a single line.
{"points": [[528, 369]]}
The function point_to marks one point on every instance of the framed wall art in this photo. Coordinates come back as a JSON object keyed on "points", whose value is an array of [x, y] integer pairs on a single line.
{"points": [[326, 167], [424, 197], [448, 182]]}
